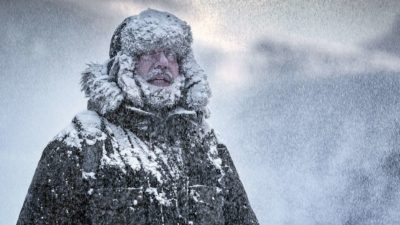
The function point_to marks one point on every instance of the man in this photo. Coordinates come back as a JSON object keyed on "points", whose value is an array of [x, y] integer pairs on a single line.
{"points": [[142, 153]]}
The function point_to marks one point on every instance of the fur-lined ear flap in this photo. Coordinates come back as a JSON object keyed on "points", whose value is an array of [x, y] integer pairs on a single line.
{"points": [[125, 80], [113, 68], [103, 93], [197, 88]]}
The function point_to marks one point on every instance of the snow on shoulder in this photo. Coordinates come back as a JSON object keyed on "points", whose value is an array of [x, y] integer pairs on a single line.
{"points": [[85, 127]]}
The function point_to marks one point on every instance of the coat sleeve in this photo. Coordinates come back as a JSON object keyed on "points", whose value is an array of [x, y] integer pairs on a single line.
{"points": [[57, 193], [237, 209]]}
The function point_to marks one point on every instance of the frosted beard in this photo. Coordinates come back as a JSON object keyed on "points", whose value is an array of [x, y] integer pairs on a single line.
{"points": [[160, 98]]}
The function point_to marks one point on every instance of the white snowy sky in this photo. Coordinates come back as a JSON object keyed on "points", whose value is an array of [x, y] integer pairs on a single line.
{"points": [[253, 51]]}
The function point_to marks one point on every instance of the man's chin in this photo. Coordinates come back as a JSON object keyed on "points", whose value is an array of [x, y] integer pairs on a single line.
{"points": [[160, 94], [161, 101]]}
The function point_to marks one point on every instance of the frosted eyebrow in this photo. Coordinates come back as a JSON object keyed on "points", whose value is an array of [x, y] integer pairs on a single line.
{"points": [[170, 54]]}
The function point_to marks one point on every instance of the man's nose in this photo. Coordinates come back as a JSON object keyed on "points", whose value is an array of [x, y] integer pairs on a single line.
{"points": [[162, 60]]}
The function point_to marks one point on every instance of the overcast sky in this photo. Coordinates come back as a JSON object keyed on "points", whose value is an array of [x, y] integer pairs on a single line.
{"points": [[252, 51]]}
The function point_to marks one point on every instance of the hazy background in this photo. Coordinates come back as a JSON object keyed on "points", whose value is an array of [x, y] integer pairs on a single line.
{"points": [[305, 95]]}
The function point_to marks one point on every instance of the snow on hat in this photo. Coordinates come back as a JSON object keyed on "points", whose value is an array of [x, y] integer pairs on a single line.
{"points": [[149, 30]]}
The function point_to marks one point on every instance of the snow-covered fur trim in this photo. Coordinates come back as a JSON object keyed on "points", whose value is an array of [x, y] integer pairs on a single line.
{"points": [[151, 28], [197, 88], [104, 94], [108, 86]]}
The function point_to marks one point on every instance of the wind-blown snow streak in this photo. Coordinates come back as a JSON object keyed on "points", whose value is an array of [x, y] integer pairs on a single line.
{"points": [[326, 135]]}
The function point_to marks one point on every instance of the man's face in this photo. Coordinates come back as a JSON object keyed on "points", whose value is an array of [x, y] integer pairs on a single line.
{"points": [[158, 67]]}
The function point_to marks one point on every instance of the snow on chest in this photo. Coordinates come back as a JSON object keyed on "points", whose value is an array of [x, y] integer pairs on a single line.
{"points": [[129, 151]]}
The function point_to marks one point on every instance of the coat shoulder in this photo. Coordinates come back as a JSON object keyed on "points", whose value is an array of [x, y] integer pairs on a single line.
{"points": [[86, 128]]}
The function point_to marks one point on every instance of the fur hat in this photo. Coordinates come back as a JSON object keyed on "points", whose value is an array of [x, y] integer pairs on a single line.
{"points": [[151, 29]]}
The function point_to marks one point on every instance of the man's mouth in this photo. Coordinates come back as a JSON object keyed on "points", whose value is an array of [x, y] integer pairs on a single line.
{"points": [[160, 81]]}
